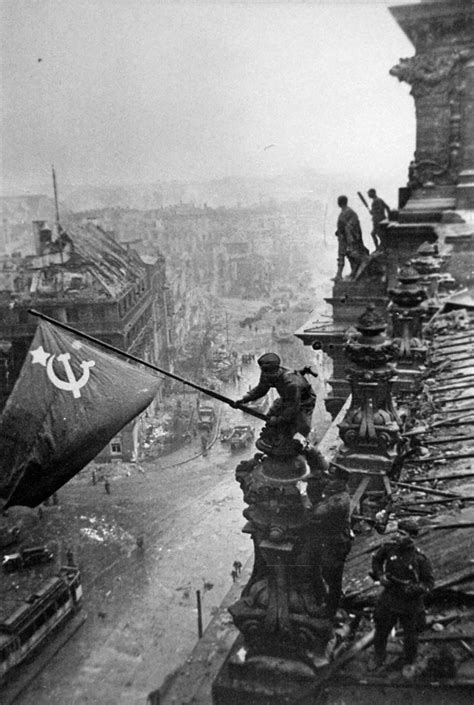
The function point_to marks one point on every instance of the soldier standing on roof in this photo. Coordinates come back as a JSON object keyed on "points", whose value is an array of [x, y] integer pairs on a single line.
{"points": [[292, 412], [349, 235], [406, 575], [377, 211], [331, 525]]}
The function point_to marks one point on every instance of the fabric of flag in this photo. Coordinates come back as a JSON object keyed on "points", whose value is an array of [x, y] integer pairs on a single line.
{"points": [[69, 400]]}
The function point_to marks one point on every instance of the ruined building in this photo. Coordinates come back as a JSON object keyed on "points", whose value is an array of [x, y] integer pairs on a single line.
{"points": [[85, 278], [220, 252]]}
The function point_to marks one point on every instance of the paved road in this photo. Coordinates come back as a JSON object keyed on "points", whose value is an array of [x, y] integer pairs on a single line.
{"points": [[142, 616], [141, 606]]}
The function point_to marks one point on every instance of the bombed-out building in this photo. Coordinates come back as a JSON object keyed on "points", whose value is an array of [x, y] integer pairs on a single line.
{"points": [[82, 276]]}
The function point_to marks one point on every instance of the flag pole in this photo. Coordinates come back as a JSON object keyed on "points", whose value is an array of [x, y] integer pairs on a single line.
{"points": [[155, 368]]}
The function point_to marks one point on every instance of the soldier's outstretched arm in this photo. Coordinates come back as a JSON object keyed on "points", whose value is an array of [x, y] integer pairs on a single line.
{"points": [[257, 392]]}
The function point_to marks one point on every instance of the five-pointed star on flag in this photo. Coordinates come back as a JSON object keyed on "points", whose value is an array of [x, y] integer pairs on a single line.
{"points": [[39, 355]]}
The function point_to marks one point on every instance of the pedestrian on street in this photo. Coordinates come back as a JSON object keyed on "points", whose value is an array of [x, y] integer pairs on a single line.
{"points": [[234, 575], [406, 575], [40, 512], [55, 498], [107, 486], [238, 567], [94, 477]]}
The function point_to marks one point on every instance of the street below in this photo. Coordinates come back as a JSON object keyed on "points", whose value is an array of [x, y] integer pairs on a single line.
{"points": [[140, 602]]}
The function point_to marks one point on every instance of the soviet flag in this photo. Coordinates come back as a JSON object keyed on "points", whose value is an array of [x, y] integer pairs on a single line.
{"points": [[69, 400]]}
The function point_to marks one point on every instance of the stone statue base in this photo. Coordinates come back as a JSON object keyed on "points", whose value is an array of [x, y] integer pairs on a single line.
{"points": [[266, 680]]}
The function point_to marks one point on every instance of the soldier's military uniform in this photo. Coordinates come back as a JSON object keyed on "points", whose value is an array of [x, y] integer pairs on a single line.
{"points": [[295, 406], [379, 211], [331, 530], [407, 575], [350, 243]]}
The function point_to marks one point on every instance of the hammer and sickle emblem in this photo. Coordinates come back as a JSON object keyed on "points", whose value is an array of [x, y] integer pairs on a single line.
{"points": [[72, 385]]}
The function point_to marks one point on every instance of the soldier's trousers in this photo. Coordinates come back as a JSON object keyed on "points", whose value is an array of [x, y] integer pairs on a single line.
{"points": [[301, 423], [385, 619], [332, 575], [332, 568]]}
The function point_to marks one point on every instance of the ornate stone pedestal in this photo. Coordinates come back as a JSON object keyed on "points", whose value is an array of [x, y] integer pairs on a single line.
{"points": [[348, 298], [264, 680], [280, 613], [408, 311], [370, 430]]}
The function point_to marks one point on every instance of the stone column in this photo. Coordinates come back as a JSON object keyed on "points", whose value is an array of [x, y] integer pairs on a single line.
{"points": [[441, 174], [465, 186]]}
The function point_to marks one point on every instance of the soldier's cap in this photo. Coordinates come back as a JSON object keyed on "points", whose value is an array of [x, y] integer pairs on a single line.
{"points": [[269, 360], [408, 525]]}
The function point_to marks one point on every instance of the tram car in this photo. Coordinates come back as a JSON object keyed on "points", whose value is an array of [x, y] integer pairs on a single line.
{"points": [[42, 612]]}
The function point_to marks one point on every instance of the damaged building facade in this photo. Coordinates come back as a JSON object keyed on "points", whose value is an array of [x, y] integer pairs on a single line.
{"points": [[220, 252], [82, 276]]}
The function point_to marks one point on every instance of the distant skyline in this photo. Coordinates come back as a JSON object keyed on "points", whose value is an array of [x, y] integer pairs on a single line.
{"points": [[138, 91]]}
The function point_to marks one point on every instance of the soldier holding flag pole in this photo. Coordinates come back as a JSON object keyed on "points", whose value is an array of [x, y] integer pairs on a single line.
{"points": [[379, 212]]}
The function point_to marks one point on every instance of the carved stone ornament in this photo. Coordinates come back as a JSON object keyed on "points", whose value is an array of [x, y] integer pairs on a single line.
{"points": [[407, 313], [428, 73], [371, 422], [279, 612], [410, 293], [371, 349], [426, 265], [436, 76], [371, 322]]}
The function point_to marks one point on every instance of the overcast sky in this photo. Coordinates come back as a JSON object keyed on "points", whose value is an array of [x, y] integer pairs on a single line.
{"points": [[127, 91]]}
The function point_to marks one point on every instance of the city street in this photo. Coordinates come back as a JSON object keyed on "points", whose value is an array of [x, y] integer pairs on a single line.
{"points": [[141, 603]]}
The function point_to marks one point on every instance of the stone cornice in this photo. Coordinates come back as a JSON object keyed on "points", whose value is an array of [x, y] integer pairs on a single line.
{"points": [[426, 24]]}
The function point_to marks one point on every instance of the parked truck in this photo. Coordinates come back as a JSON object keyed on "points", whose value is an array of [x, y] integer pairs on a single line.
{"points": [[206, 417]]}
